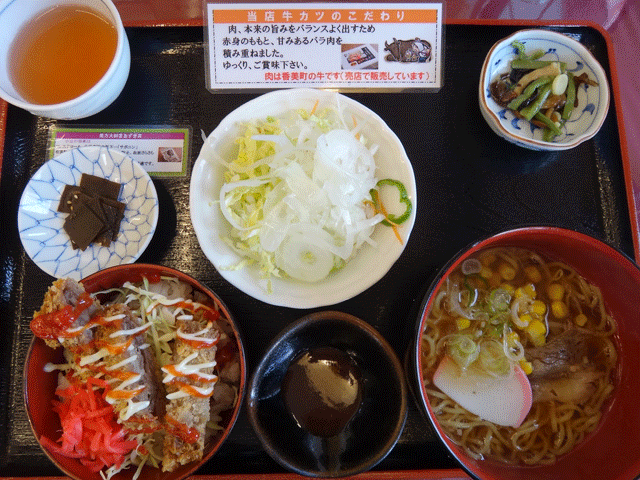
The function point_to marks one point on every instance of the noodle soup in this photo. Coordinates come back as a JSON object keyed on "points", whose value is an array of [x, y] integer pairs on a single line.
{"points": [[509, 313]]}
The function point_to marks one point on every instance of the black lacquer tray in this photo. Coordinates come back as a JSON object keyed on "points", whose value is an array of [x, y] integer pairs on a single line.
{"points": [[470, 184]]}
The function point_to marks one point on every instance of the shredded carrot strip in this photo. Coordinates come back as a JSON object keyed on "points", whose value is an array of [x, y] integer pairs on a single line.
{"points": [[383, 211], [393, 225], [313, 110]]}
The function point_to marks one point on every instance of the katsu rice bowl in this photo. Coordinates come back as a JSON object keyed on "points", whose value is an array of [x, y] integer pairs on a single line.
{"points": [[137, 371], [525, 357]]}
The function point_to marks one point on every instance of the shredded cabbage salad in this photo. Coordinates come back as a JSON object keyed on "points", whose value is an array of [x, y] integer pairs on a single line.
{"points": [[297, 195]]}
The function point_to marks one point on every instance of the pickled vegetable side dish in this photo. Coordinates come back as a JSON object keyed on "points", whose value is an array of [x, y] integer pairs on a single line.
{"points": [[543, 92]]}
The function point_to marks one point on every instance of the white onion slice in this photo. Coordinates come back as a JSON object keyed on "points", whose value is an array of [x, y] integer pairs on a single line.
{"points": [[303, 260], [228, 187]]}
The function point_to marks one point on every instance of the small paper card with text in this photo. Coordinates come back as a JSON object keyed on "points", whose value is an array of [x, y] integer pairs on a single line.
{"points": [[343, 46], [162, 151]]}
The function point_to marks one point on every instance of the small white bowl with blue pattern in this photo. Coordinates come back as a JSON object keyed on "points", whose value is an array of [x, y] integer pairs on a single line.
{"points": [[593, 102], [41, 225]]}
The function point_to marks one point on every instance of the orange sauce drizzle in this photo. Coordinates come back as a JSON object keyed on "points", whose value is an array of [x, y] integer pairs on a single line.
{"points": [[191, 376], [124, 394], [143, 424], [210, 314], [189, 389], [184, 432], [55, 324]]}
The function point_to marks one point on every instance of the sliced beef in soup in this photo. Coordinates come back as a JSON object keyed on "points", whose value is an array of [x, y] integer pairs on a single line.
{"points": [[568, 367]]}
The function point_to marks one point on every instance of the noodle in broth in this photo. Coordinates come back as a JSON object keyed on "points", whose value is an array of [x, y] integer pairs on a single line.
{"points": [[553, 426]]}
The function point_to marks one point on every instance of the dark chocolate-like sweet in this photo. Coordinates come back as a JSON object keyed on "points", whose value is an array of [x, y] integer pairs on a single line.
{"points": [[113, 212], [83, 226], [80, 198], [94, 211], [67, 198], [100, 187]]}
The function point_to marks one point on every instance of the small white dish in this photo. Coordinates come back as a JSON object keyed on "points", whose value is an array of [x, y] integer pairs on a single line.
{"points": [[593, 102], [40, 224], [369, 264]]}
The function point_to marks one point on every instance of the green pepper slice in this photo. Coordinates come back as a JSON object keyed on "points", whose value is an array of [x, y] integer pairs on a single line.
{"points": [[404, 198]]}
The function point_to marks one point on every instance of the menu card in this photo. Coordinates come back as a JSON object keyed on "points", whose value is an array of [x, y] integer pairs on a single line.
{"points": [[162, 151], [343, 46]]}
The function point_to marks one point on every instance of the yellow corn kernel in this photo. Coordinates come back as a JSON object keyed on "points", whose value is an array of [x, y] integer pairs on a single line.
{"points": [[555, 291], [486, 273], [462, 323], [537, 331], [512, 338], [487, 258], [538, 307], [580, 319], [528, 290], [507, 287], [532, 273], [524, 320], [527, 367], [536, 328], [559, 309], [507, 271]]}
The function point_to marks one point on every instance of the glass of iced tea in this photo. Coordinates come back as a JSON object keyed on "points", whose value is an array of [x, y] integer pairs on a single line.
{"points": [[63, 59]]}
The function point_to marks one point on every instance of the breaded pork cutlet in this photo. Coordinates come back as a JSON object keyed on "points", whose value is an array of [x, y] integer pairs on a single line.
{"points": [[189, 383], [67, 296], [130, 368]]}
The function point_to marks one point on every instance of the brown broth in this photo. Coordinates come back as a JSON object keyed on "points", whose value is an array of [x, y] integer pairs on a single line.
{"points": [[62, 53], [322, 390]]}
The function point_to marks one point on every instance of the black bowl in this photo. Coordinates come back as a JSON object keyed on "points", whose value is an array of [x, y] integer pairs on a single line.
{"points": [[374, 429]]}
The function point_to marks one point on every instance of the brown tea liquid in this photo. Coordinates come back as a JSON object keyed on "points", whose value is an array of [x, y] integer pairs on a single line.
{"points": [[62, 53]]}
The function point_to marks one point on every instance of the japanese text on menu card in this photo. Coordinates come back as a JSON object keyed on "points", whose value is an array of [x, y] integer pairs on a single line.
{"points": [[347, 46], [161, 150]]}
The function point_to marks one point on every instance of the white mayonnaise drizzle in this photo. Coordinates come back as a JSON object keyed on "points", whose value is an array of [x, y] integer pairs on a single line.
{"points": [[133, 408], [185, 369], [198, 336], [87, 359], [124, 362], [131, 331], [51, 367], [204, 391]]}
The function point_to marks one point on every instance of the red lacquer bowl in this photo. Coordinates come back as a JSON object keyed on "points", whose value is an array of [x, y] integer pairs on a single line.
{"points": [[39, 386], [612, 451]]}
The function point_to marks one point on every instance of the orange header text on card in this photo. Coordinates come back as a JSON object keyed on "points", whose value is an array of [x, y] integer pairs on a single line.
{"points": [[324, 16]]}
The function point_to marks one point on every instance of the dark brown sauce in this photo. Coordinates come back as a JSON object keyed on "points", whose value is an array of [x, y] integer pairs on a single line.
{"points": [[322, 390]]}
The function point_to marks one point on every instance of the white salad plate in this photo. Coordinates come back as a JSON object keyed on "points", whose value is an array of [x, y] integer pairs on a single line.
{"points": [[593, 102], [369, 264], [41, 225]]}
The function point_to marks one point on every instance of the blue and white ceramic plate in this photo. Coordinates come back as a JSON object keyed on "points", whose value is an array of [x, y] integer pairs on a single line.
{"points": [[593, 102], [40, 224]]}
